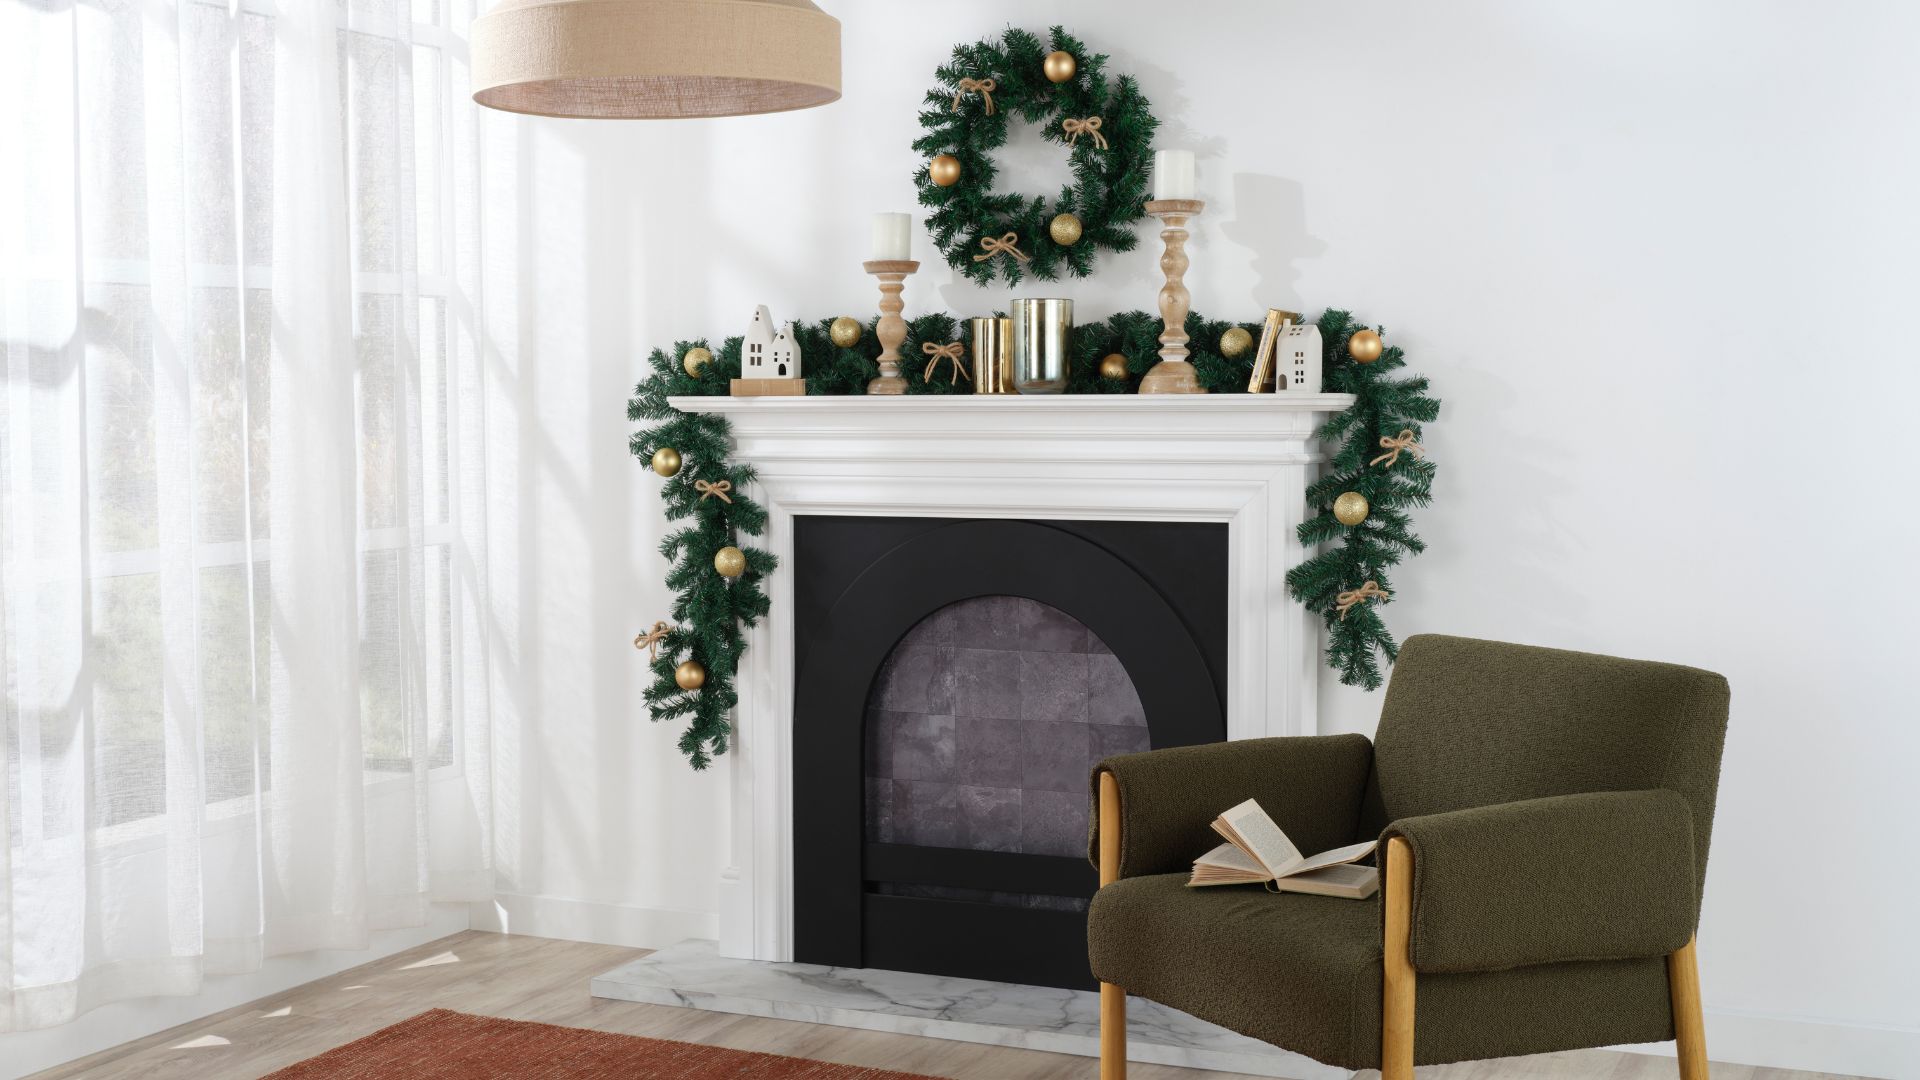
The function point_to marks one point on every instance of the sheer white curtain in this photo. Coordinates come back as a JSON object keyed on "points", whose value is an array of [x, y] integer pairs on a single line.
{"points": [[241, 524]]}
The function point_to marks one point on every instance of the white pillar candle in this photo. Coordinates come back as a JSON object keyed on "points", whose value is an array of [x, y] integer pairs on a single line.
{"points": [[1173, 175], [890, 237]]}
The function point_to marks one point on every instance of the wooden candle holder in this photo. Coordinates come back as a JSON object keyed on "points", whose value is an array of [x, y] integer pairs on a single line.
{"points": [[1173, 374], [892, 329]]}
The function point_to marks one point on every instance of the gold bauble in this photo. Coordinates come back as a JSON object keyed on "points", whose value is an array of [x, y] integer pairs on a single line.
{"points": [[690, 675], [1364, 346], [1350, 508], [1065, 230], [694, 360], [1235, 343], [845, 332], [1060, 66], [730, 562], [1113, 366], [666, 461], [944, 170]]}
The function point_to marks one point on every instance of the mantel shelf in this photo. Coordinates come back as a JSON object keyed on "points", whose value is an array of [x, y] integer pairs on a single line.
{"points": [[1081, 404]]}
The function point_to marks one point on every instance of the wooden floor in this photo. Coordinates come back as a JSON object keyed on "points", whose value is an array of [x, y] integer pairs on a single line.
{"points": [[538, 979]]}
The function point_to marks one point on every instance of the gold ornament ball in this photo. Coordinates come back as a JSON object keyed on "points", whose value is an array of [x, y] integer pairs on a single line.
{"points": [[1113, 366], [1060, 66], [1235, 343], [1364, 346], [730, 562], [944, 170], [690, 675], [845, 332], [666, 461], [695, 360], [1065, 230], [1350, 508]]}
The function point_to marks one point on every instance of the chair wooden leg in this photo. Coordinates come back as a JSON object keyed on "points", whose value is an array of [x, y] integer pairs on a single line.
{"points": [[1689, 1029], [1113, 1032], [1396, 1003], [1113, 999]]}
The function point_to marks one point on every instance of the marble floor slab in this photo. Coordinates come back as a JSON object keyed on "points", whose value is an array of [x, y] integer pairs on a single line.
{"points": [[694, 975]]}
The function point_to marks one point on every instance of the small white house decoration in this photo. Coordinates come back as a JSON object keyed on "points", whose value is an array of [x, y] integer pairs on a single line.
{"points": [[766, 353], [769, 360], [1297, 358]]}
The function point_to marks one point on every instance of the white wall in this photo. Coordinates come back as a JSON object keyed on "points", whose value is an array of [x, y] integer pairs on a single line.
{"points": [[1652, 255]]}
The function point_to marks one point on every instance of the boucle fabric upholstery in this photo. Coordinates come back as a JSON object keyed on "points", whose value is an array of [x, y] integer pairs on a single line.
{"points": [[1303, 972], [1310, 786], [1472, 723], [1603, 876], [1559, 807]]}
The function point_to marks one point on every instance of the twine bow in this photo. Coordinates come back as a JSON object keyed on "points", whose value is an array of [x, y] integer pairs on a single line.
{"points": [[719, 488], [1090, 126], [1352, 597], [1007, 244], [651, 640], [1393, 446], [937, 353], [968, 86]]}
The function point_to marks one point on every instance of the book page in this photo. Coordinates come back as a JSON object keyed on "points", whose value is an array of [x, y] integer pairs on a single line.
{"points": [[1229, 857], [1264, 840], [1333, 857]]}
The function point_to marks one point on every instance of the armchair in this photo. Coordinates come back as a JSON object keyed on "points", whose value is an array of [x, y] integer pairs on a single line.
{"points": [[1543, 816]]}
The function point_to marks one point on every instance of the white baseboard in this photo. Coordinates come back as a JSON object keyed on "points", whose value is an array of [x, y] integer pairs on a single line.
{"points": [[24, 1052], [1813, 1045], [587, 920]]}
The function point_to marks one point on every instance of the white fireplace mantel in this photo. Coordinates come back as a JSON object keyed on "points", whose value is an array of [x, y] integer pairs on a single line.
{"points": [[1241, 459]]}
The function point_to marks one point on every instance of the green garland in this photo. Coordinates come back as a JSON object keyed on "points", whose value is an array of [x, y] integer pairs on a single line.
{"points": [[710, 612], [1110, 184]]}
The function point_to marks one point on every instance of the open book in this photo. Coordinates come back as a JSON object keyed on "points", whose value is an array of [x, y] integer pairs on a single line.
{"points": [[1257, 850]]}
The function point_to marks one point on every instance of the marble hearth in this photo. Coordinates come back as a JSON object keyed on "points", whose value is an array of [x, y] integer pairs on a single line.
{"points": [[692, 974]]}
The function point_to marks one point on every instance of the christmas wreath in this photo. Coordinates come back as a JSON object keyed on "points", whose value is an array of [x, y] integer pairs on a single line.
{"points": [[1107, 130], [1358, 526]]}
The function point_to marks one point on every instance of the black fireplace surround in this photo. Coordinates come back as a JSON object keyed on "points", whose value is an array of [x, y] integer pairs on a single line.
{"points": [[1154, 593]]}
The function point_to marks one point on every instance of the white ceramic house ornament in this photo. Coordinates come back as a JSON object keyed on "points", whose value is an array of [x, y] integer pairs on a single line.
{"points": [[783, 356], [766, 353], [1296, 358]]}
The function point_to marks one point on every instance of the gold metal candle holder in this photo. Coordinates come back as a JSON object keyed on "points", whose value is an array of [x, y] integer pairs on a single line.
{"points": [[892, 329], [992, 355], [1173, 374]]}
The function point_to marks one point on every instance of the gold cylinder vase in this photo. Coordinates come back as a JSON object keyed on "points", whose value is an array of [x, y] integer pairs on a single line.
{"points": [[1042, 334], [992, 349]]}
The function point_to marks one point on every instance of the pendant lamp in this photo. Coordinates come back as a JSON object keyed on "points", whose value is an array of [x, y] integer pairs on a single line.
{"points": [[655, 59]]}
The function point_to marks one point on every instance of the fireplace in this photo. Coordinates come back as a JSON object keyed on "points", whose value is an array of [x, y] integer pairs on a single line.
{"points": [[955, 680], [1230, 465]]}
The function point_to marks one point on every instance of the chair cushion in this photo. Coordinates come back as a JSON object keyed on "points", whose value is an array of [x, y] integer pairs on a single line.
{"points": [[1304, 973]]}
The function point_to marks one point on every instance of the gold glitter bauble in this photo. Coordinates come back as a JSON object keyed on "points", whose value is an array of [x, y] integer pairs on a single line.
{"points": [[1060, 66], [694, 360], [690, 675], [1235, 343], [845, 332], [1350, 508], [666, 461], [730, 562], [1364, 346], [1113, 366], [944, 170], [1065, 230]]}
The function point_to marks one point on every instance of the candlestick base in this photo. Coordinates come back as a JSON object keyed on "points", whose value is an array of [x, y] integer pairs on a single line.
{"points": [[891, 330], [1173, 374]]}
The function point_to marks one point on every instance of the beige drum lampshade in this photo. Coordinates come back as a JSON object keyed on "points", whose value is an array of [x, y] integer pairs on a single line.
{"points": [[643, 59]]}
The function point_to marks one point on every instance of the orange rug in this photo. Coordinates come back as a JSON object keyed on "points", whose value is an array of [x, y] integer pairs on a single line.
{"points": [[445, 1045]]}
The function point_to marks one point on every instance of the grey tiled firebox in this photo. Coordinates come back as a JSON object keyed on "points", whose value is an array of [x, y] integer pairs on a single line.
{"points": [[983, 724]]}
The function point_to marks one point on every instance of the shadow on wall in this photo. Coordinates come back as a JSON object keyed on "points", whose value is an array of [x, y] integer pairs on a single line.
{"points": [[1270, 220]]}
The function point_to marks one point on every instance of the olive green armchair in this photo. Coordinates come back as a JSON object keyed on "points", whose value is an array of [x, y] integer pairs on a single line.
{"points": [[1543, 818]]}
